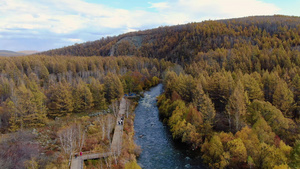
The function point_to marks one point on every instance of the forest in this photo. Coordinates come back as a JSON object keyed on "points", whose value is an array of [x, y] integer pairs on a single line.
{"points": [[43, 98], [181, 43], [238, 103], [231, 91]]}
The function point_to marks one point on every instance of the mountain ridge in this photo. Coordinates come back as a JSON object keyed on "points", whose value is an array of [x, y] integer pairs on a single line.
{"points": [[181, 42], [28, 52], [9, 53]]}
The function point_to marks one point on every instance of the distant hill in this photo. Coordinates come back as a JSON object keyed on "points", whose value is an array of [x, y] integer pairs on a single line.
{"points": [[10, 53], [28, 52], [181, 43], [19, 53]]}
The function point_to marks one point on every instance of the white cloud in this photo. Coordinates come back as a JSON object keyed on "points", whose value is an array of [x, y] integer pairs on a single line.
{"points": [[73, 40], [131, 30], [159, 5], [183, 11], [77, 17]]}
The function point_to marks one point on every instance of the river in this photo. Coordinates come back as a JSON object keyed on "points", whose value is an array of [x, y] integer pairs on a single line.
{"points": [[158, 148]]}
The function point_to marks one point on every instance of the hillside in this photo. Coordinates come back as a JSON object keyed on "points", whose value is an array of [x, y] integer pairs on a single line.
{"points": [[182, 42]]}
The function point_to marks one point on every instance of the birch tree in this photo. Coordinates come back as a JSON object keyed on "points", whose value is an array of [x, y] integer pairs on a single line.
{"points": [[115, 106], [127, 106], [109, 126], [236, 107], [69, 140]]}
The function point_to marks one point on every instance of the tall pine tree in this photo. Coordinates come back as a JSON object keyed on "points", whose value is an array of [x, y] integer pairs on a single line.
{"points": [[60, 100], [236, 107]]}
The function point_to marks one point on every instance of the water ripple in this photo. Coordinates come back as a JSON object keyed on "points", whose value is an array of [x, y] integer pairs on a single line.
{"points": [[158, 147]]}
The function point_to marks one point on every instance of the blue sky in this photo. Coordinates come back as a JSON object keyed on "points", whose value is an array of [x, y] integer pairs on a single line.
{"points": [[48, 24]]}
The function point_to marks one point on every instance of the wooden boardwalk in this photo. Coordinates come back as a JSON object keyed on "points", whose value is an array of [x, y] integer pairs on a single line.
{"points": [[116, 145], [117, 138]]}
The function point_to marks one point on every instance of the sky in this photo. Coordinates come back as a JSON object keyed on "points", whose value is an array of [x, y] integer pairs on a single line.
{"points": [[48, 24]]}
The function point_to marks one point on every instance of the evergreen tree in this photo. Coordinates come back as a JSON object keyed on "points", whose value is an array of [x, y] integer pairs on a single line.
{"points": [[60, 100], [275, 119], [206, 108], [251, 142], [213, 153], [237, 151], [170, 83], [97, 91], [26, 110], [220, 88], [264, 131], [269, 81], [252, 87], [296, 91], [154, 80], [295, 155], [186, 87], [113, 87], [82, 97], [39, 116], [283, 98], [128, 82], [15, 120], [236, 107]]}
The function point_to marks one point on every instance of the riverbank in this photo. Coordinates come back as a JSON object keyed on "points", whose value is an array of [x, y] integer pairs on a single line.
{"points": [[159, 150]]}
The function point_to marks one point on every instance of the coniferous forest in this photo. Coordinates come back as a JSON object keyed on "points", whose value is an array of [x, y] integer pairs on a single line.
{"points": [[57, 96], [231, 92]]}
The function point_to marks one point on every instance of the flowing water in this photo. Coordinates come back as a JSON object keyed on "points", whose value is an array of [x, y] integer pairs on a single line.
{"points": [[158, 148]]}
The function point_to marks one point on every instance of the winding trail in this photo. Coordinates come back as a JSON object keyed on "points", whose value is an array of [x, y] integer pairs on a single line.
{"points": [[116, 145]]}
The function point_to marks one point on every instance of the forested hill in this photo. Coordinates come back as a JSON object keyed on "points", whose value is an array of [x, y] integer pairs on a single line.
{"points": [[235, 98], [182, 42]]}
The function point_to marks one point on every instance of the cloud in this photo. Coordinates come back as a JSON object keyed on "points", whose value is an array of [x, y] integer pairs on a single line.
{"points": [[159, 5], [72, 21], [73, 40], [183, 11]]}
